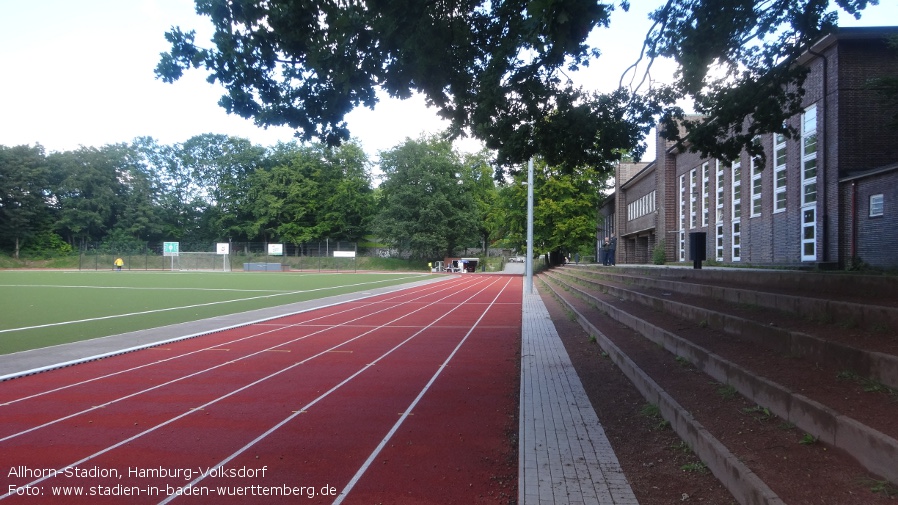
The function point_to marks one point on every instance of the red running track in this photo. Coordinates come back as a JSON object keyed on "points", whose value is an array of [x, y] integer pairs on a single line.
{"points": [[409, 397]]}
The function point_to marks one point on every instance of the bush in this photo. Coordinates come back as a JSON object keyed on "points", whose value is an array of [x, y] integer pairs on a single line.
{"points": [[659, 257], [46, 245]]}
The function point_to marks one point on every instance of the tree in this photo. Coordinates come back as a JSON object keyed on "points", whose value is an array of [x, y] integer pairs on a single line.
{"points": [[484, 193], [180, 200], [136, 217], [347, 204], [86, 190], [737, 61], [426, 201], [284, 198], [219, 166], [24, 212], [564, 210], [496, 69]]}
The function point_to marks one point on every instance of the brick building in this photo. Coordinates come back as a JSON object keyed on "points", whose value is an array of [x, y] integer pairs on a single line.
{"points": [[827, 197]]}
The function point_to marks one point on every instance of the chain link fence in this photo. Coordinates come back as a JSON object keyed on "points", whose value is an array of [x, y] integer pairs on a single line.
{"points": [[319, 256]]}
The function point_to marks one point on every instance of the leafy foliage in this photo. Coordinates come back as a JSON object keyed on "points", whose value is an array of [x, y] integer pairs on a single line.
{"points": [[737, 61], [24, 177], [497, 69], [207, 189], [493, 69], [426, 201], [564, 209]]}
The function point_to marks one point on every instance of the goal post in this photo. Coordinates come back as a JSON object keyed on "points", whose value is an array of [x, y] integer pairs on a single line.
{"points": [[201, 262]]}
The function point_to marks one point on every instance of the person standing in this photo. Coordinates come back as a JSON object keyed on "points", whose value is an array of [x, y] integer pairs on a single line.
{"points": [[118, 263], [612, 248], [605, 251]]}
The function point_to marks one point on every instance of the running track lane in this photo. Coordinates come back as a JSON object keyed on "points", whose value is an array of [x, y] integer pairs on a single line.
{"points": [[403, 398]]}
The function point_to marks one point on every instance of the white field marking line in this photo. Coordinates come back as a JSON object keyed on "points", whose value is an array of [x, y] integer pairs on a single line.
{"points": [[407, 412], [425, 289], [361, 296], [144, 288], [184, 307], [327, 393], [199, 372], [243, 388]]}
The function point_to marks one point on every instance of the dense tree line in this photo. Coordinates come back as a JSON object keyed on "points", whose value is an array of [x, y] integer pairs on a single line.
{"points": [[432, 201], [210, 188]]}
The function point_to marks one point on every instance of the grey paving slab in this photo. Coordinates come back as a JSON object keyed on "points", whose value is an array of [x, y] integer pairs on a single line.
{"points": [[565, 457]]}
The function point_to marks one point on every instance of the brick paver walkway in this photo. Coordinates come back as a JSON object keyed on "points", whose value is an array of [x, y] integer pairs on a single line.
{"points": [[565, 457]]}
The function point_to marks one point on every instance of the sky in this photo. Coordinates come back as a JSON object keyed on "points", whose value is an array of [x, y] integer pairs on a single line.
{"points": [[80, 73]]}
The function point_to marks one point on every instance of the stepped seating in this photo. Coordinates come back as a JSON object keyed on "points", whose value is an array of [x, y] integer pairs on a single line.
{"points": [[786, 341]]}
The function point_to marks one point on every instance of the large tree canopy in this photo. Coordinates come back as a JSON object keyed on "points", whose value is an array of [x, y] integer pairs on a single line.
{"points": [[427, 200], [496, 68], [737, 63], [492, 68]]}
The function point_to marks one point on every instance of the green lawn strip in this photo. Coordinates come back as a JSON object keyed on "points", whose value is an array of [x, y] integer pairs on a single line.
{"points": [[104, 303]]}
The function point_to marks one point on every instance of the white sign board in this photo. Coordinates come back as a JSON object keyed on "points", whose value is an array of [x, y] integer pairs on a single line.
{"points": [[223, 248], [344, 254], [275, 249]]}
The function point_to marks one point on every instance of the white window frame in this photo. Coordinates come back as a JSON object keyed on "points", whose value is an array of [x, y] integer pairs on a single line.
{"points": [[736, 215], [736, 192], [706, 192], [720, 192], [779, 173], [719, 229], [810, 146], [877, 205], [736, 246], [682, 218], [756, 188], [693, 197]]}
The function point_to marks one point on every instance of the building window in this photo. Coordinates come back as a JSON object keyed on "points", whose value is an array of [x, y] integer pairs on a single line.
{"points": [[737, 190], [875, 205], [719, 241], [809, 234], [645, 205], [735, 228], [737, 241], [682, 235], [706, 192], [756, 188], [682, 218], [693, 196], [720, 190], [779, 173], [809, 150]]}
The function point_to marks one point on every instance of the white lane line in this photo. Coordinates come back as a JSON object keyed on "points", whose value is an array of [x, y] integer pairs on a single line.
{"points": [[145, 288], [199, 372], [184, 307], [232, 393], [262, 322], [358, 475], [318, 399]]}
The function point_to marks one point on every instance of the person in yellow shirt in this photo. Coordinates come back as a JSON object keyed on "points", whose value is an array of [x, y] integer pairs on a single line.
{"points": [[119, 263]]}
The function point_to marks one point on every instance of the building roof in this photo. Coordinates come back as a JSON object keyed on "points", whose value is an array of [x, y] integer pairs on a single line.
{"points": [[847, 33], [860, 174]]}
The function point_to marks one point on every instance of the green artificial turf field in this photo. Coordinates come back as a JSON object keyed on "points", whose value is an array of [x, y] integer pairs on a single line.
{"points": [[44, 308]]}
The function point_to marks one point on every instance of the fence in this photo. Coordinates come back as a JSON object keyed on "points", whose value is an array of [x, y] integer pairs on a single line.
{"points": [[327, 255]]}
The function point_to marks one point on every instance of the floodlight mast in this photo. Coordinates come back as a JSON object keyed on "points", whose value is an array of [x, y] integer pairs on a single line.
{"points": [[528, 276]]}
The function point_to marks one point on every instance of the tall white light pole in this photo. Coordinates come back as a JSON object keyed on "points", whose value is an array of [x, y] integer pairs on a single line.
{"points": [[528, 279]]}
